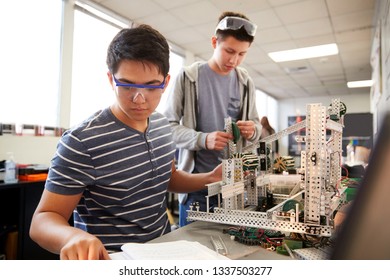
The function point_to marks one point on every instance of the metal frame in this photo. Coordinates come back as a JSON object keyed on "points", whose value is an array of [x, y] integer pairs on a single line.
{"points": [[317, 188]]}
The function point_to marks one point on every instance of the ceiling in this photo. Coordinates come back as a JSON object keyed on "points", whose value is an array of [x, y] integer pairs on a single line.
{"points": [[282, 25]]}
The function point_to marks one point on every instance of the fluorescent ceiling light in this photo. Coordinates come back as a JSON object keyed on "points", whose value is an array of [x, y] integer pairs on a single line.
{"points": [[357, 84], [304, 53], [100, 14]]}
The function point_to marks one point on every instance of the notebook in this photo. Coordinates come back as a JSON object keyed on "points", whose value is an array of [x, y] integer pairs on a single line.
{"points": [[175, 250]]}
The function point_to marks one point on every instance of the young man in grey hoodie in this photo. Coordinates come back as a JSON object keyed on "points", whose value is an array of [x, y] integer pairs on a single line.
{"points": [[206, 93]]}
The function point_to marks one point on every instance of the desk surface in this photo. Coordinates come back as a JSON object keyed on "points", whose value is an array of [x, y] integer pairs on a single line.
{"points": [[202, 231]]}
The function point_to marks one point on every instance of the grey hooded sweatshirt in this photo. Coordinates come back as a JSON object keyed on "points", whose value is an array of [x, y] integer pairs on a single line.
{"points": [[182, 109]]}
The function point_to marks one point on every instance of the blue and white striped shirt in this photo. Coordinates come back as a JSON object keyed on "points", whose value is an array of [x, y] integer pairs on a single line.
{"points": [[122, 173]]}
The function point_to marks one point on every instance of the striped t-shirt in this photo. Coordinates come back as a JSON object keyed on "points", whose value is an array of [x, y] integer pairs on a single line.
{"points": [[122, 173]]}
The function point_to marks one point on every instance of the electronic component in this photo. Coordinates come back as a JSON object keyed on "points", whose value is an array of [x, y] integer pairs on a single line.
{"points": [[284, 163]]}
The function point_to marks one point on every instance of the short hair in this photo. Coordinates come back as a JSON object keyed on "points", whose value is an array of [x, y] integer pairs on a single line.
{"points": [[240, 34], [142, 43]]}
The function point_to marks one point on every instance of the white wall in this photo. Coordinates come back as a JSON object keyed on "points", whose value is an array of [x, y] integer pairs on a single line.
{"points": [[293, 107], [29, 149]]}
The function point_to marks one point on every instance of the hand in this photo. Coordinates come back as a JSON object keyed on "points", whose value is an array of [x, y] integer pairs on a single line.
{"points": [[217, 140], [216, 174], [247, 128], [84, 246]]}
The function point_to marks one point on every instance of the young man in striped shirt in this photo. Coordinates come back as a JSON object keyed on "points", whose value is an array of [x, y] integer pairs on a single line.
{"points": [[114, 169]]}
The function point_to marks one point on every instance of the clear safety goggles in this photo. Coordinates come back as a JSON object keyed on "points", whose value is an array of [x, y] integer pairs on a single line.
{"points": [[235, 23], [146, 91]]}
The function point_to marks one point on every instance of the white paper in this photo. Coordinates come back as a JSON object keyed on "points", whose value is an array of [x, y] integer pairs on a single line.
{"points": [[175, 250]]}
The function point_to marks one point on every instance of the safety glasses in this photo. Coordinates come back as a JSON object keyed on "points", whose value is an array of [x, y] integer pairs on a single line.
{"points": [[144, 90], [235, 23], [125, 85]]}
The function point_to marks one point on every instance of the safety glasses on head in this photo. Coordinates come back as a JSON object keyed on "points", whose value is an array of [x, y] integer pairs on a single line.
{"points": [[235, 23]]}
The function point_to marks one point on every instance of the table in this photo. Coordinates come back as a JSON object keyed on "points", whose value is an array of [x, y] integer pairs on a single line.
{"points": [[202, 231]]}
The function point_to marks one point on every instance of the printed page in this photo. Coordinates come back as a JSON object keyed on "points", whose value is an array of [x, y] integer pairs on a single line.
{"points": [[176, 250]]}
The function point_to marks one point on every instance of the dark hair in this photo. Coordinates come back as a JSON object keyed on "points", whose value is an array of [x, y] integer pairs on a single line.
{"points": [[240, 34], [141, 43], [265, 123]]}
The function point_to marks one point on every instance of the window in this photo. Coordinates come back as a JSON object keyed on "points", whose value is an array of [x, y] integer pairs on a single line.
{"points": [[267, 106], [91, 90], [175, 64], [30, 61]]}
